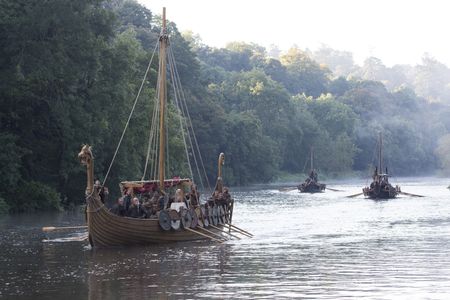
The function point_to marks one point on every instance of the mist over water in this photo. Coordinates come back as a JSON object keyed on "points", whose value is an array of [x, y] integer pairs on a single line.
{"points": [[322, 246]]}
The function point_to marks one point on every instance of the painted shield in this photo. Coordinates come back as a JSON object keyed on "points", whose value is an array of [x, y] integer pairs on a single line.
{"points": [[194, 218], [186, 218], [164, 220]]}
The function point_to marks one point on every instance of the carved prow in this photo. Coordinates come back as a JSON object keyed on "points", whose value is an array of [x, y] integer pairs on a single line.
{"points": [[87, 159], [221, 162]]}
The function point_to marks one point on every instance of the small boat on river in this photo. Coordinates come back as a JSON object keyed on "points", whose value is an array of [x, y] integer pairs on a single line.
{"points": [[380, 188], [177, 212], [311, 184]]}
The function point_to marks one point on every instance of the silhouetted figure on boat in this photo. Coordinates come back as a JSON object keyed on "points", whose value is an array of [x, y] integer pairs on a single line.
{"points": [[136, 210], [311, 184], [380, 188], [102, 191], [119, 208]]}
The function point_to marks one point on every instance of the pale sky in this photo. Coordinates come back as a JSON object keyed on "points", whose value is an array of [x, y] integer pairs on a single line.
{"points": [[396, 31]]}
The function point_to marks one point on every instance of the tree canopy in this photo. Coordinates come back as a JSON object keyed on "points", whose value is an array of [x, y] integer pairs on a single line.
{"points": [[69, 72]]}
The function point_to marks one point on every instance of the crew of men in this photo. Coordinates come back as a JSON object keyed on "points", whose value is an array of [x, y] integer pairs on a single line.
{"points": [[312, 176], [152, 202]]}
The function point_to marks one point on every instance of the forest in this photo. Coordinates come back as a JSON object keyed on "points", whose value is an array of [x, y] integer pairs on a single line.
{"points": [[69, 72]]}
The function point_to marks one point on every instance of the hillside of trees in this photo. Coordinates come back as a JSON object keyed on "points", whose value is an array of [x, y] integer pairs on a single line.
{"points": [[69, 72]]}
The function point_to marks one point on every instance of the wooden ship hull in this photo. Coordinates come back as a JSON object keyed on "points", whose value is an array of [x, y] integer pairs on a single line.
{"points": [[381, 192], [173, 217], [313, 187], [107, 229]]}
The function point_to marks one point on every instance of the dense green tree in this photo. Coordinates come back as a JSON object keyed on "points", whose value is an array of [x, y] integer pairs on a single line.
{"points": [[304, 74], [443, 152], [70, 71]]}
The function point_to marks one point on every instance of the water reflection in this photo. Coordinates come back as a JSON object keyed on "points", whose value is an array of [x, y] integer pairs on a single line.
{"points": [[305, 246]]}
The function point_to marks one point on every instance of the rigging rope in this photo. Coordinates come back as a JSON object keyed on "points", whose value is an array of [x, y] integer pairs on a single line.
{"points": [[152, 133], [180, 116], [188, 119], [131, 114]]}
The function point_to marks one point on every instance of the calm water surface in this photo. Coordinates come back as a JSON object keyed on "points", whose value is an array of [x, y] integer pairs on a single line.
{"points": [[321, 246]]}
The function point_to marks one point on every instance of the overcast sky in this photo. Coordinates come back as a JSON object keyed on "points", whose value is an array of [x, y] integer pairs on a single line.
{"points": [[396, 31]]}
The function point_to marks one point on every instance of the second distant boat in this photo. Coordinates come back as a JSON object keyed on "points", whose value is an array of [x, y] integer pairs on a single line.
{"points": [[311, 184]]}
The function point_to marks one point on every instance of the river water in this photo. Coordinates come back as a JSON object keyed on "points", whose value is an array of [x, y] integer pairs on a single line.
{"points": [[320, 246]]}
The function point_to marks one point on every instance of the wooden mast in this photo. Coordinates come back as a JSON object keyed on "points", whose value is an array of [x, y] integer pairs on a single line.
{"points": [[162, 99], [380, 162], [312, 159]]}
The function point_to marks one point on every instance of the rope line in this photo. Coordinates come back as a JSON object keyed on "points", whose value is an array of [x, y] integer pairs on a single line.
{"points": [[131, 114]]}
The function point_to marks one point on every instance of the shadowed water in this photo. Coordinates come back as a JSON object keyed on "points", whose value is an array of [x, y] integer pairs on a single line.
{"points": [[320, 246]]}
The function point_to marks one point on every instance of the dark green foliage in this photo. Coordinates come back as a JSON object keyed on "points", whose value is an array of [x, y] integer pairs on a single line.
{"points": [[4, 207], [70, 70], [33, 196]]}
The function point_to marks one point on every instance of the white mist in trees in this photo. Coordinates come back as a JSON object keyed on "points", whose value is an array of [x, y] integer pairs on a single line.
{"points": [[443, 152]]}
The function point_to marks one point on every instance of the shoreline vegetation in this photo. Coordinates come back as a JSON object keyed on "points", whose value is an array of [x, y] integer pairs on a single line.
{"points": [[69, 72]]}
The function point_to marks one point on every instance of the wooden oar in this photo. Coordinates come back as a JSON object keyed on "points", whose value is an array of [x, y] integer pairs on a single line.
{"points": [[287, 189], [80, 238], [355, 195], [213, 233], [205, 235], [225, 232], [334, 190], [237, 229], [412, 195], [51, 228]]}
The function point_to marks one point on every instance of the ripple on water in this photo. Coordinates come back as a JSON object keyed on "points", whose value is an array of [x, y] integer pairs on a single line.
{"points": [[321, 246]]}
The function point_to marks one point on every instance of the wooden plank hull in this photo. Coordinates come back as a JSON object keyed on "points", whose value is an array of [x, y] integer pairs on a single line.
{"points": [[312, 187], [106, 229], [385, 191]]}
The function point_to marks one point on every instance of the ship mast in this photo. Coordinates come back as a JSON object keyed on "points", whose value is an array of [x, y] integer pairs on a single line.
{"points": [[162, 98], [312, 159], [380, 154]]}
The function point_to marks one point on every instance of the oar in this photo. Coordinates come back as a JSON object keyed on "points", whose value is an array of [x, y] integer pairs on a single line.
{"points": [[51, 228], [205, 235], [412, 195], [237, 229], [225, 232], [355, 195], [213, 233], [334, 190], [287, 189]]}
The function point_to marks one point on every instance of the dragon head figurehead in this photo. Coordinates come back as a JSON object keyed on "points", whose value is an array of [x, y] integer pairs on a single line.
{"points": [[85, 156]]}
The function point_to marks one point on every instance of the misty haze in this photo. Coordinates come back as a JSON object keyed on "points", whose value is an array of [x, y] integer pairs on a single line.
{"points": [[227, 166]]}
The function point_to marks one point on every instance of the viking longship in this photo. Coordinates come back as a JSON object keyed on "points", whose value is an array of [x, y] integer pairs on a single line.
{"points": [[311, 184], [380, 188], [177, 213]]}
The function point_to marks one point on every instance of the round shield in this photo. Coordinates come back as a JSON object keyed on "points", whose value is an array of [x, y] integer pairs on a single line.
{"points": [[194, 218], [221, 215], [175, 224], [227, 216], [209, 210], [198, 213], [186, 218], [215, 214], [205, 216], [164, 220], [174, 216]]}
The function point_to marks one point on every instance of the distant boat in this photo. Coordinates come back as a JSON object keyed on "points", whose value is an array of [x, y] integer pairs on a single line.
{"points": [[184, 220], [311, 184], [380, 188]]}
